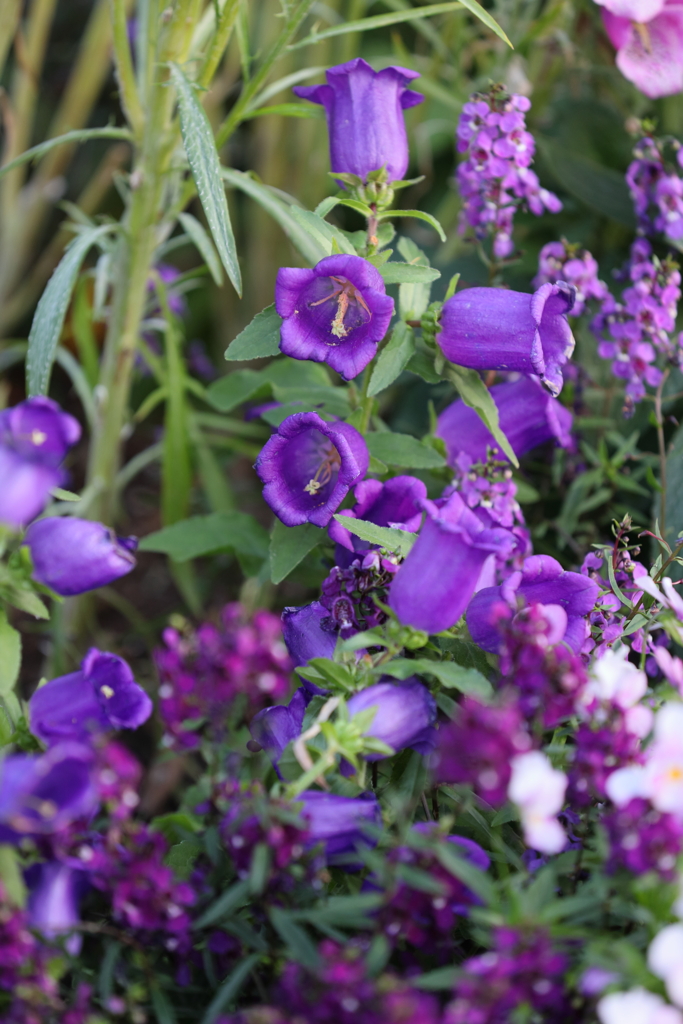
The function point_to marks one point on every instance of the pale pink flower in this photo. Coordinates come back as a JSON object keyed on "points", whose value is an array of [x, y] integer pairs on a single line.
{"points": [[660, 779], [648, 38], [636, 1007], [671, 667], [665, 960], [538, 790]]}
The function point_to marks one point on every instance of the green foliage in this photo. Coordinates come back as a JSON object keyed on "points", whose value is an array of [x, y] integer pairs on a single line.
{"points": [[259, 339], [205, 535], [289, 545]]}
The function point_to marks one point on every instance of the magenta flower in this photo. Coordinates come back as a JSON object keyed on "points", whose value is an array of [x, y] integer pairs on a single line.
{"points": [[394, 503], [73, 555], [496, 329], [336, 313], [337, 821], [364, 111], [648, 38], [404, 717], [308, 466]]}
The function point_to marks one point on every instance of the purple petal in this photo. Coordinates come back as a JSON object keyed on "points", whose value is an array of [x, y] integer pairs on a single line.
{"points": [[73, 555]]}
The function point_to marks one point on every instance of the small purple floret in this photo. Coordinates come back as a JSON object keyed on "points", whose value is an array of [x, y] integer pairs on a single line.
{"points": [[72, 556]]}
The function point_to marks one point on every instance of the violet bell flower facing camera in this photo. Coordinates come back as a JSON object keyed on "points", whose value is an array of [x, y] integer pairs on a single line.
{"points": [[34, 438], [364, 111], [72, 556], [337, 821], [528, 417], [404, 717], [496, 329], [336, 313], [434, 585], [394, 503], [648, 38], [308, 466], [102, 696]]}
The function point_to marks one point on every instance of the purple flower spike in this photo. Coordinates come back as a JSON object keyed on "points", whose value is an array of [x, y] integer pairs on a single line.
{"points": [[394, 503], [101, 697], [336, 313], [434, 585], [404, 717], [337, 821], [72, 555], [364, 110], [55, 892], [542, 581], [308, 466], [528, 416], [34, 438], [495, 329], [273, 728]]}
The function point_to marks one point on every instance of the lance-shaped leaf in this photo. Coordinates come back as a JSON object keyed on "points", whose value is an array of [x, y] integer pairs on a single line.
{"points": [[476, 395]]}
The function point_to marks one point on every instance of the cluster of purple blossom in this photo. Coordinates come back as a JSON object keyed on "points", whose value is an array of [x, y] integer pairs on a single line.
{"points": [[657, 192]]}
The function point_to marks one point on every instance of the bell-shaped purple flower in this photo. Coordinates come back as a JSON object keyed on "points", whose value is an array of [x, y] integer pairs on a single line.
{"points": [[337, 821], [404, 717], [364, 110], [55, 893], [336, 313], [275, 727], [43, 793], [434, 585], [394, 503], [304, 636], [34, 438], [308, 466], [72, 555], [101, 697], [528, 417], [496, 329], [542, 581]]}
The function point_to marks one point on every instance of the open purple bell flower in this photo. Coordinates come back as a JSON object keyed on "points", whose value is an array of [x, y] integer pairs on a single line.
{"points": [[43, 793], [34, 438], [542, 581], [364, 111], [304, 636], [73, 555], [497, 329], [336, 313], [102, 696], [308, 466], [434, 585], [528, 417], [405, 715], [55, 893], [275, 727], [394, 503], [337, 821]]}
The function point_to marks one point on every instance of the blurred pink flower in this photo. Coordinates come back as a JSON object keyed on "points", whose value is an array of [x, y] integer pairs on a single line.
{"points": [[648, 37]]}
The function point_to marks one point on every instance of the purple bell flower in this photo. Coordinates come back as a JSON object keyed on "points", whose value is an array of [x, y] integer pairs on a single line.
{"points": [[55, 892], [101, 697], [275, 727], [434, 585], [72, 555], [528, 417], [542, 581], [305, 638], [364, 111], [308, 467], [43, 793], [394, 503], [496, 329], [405, 715], [34, 438], [337, 821], [336, 313]]}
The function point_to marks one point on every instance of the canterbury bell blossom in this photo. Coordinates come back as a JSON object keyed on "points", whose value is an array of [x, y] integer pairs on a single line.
{"points": [[308, 467], [72, 556], [538, 790], [394, 503], [563, 261], [101, 697], [337, 821], [665, 960], [364, 111], [336, 313], [55, 891], [306, 637], [405, 714], [648, 38], [275, 727], [497, 329], [637, 1006]]}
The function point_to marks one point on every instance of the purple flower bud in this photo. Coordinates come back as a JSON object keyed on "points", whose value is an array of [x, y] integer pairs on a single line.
{"points": [[55, 892], [72, 555], [34, 438], [364, 110], [275, 727], [528, 416], [337, 821], [308, 467], [42, 793], [336, 313], [542, 581], [394, 503], [101, 697], [496, 329], [434, 585], [305, 638], [404, 717]]}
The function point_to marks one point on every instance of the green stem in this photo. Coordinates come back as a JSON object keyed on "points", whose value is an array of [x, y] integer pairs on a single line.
{"points": [[662, 452], [123, 64]]}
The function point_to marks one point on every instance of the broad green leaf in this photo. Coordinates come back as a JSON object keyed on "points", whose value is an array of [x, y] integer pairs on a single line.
{"points": [[476, 395], [398, 541], [403, 450], [182, 856], [416, 215], [204, 535], [413, 299], [202, 156], [236, 388], [329, 403], [289, 545], [288, 379], [408, 273], [450, 675], [48, 318], [300, 946], [230, 988], [259, 339], [393, 358], [422, 365], [601, 188], [465, 653], [204, 245], [82, 135], [323, 234], [10, 655]]}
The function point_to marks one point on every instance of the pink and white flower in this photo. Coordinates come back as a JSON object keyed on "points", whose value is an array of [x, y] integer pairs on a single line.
{"points": [[648, 38], [538, 790], [665, 960], [636, 1007]]}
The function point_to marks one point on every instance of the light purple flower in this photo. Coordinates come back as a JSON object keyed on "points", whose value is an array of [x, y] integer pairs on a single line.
{"points": [[73, 555], [560, 261], [102, 696], [434, 585], [404, 717], [337, 821], [496, 329], [305, 637], [336, 313], [275, 727], [308, 467], [649, 47], [364, 110], [394, 503], [55, 892]]}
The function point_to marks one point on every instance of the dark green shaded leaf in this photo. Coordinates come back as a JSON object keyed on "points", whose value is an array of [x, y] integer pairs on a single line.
{"points": [[465, 653], [403, 450], [398, 541], [602, 189], [289, 545], [237, 388], [472, 877], [299, 944], [436, 980], [259, 339], [204, 535], [181, 857], [163, 1008], [236, 896], [230, 988], [393, 358], [422, 365]]}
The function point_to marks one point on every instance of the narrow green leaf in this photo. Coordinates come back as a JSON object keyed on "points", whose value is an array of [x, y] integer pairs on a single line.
{"points": [[413, 299], [204, 245], [403, 450], [205, 535], [324, 207], [236, 896], [289, 545], [202, 156], [10, 655], [300, 946], [230, 988], [323, 234], [602, 189], [48, 318], [163, 1008], [82, 135], [398, 541], [11, 875], [472, 877], [105, 982], [436, 980], [259, 339], [408, 273], [416, 215], [478, 11], [285, 110], [476, 395], [393, 358]]}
